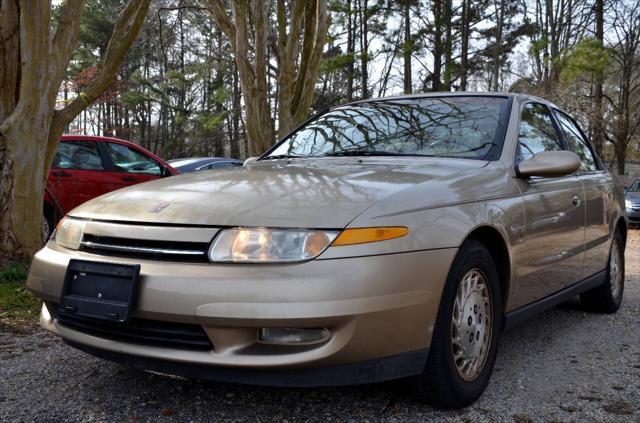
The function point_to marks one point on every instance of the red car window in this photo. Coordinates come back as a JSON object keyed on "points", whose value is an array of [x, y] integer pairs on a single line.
{"points": [[78, 155], [128, 160]]}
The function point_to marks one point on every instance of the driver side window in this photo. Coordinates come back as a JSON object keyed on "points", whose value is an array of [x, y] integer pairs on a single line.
{"points": [[128, 160], [537, 132]]}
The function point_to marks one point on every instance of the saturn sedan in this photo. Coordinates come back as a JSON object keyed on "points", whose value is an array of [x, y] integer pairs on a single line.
{"points": [[383, 239]]}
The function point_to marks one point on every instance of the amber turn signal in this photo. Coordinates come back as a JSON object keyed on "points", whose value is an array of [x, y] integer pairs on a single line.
{"points": [[365, 235]]}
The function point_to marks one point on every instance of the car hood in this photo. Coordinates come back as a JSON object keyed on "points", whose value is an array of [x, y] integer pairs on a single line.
{"points": [[320, 193]]}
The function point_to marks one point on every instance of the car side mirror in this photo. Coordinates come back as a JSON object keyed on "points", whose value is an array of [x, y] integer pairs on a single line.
{"points": [[549, 164], [164, 172], [250, 160]]}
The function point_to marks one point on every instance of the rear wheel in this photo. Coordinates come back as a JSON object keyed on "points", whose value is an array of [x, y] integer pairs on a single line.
{"points": [[465, 337], [607, 297]]}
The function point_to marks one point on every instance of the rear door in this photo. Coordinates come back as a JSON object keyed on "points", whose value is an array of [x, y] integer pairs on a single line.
{"points": [[130, 166], [598, 189], [77, 173], [550, 256]]}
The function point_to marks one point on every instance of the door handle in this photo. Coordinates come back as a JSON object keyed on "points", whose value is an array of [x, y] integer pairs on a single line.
{"points": [[61, 174], [575, 200], [129, 178]]}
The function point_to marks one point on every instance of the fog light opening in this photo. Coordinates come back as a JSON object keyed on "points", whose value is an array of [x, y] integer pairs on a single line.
{"points": [[293, 336]]}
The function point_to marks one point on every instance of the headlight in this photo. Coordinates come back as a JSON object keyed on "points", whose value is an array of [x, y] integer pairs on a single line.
{"points": [[627, 204], [260, 245], [69, 233]]}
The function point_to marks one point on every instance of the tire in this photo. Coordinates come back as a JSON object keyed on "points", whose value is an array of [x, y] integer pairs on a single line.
{"points": [[607, 297], [443, 383], [47, 226]]}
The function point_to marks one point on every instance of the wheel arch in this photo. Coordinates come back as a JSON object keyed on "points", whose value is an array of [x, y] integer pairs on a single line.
{"points": [[495, 242], [622, 226]]}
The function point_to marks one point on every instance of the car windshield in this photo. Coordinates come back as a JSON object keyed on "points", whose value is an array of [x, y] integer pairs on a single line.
{"points": [[635, 187], [462, 127]]}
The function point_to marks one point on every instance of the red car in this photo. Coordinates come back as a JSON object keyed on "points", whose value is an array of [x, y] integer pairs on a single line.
{"points": [[85, 167]]}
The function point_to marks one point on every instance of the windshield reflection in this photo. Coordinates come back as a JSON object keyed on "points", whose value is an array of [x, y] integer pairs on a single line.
{"points": [[463, 127]]}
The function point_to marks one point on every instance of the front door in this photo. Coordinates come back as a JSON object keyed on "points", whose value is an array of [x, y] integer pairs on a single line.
{"points": [[551, 254], [598, 190], [129, 165]]}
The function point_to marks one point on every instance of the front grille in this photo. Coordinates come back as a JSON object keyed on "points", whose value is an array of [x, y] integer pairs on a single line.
{"points": [[141, 331], [146, 249]]}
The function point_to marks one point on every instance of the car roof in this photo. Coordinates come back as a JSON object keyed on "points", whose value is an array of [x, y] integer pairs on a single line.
{"points": [[197, 162], [80, 137], [520, 96], [186, 160]]}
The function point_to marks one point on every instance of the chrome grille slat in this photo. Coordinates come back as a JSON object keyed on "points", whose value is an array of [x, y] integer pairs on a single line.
{"points": [[128, 249], [164, 250]]}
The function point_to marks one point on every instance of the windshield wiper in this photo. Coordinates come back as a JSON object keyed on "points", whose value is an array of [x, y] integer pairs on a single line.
{"points": [[367, 153], [281, 156]]}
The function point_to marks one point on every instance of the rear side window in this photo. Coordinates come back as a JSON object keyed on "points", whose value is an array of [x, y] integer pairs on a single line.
{"points": [[128, 160], [81, 155], [537, 132], [576, 142]]}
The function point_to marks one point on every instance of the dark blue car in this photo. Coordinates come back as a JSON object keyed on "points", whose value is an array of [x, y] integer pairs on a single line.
{"points": [[195, 164]]}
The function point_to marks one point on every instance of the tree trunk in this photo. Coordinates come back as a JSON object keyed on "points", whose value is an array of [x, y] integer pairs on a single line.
{"points": [[408, 48], [448, 46], [253, 74], [351, 42], [9, 56], [497, 51], [364, 48], [235, 136], [598, 119], [30, 129], [464, 48], [620, 148], [298, 61], [437, 45], [24, 165]]}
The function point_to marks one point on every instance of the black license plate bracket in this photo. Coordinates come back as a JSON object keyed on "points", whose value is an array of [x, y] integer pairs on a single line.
{"points": [[97, 290]]}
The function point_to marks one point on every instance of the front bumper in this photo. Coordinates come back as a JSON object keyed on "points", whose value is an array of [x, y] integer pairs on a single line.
{"points": [[380, 311], [370, 371]]}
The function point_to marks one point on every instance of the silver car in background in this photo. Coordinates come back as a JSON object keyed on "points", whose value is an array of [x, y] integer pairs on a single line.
{"points": [[632, 202]]}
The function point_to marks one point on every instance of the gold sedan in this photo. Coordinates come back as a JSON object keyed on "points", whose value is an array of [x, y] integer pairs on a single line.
{"points": [[388, 238]]}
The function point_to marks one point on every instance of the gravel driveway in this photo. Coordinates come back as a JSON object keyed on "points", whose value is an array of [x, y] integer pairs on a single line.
{"points": [[564, 365]]}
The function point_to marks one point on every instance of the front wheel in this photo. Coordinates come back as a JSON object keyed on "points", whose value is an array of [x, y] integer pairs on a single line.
{"points": [[465, 337], [607, 297]]}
